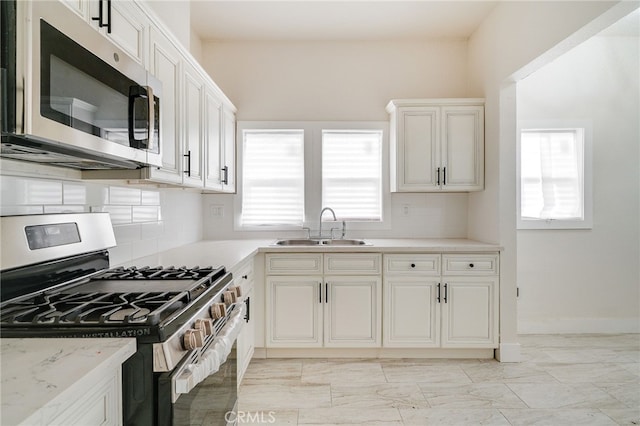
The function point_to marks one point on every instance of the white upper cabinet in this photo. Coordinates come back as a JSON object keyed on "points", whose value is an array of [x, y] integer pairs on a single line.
{"points": [[166, 65], [194, 137], [228, 153], [213, 123], [437, 145], [121, 21]]}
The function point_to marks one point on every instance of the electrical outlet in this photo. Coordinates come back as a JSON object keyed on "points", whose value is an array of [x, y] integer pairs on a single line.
{"points": [[217, 211], [405, 210]]}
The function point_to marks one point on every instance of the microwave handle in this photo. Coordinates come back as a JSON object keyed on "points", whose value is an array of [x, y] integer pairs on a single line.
{"points": [[136, 92]]}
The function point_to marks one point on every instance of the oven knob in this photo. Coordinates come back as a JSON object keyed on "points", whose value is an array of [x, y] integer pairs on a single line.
{"points": [[205, 325], [229, 297], [218, 310], [238, 291], [192, 339]]}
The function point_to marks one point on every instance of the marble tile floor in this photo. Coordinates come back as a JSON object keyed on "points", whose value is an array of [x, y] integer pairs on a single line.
{"points": [[562, 380]]}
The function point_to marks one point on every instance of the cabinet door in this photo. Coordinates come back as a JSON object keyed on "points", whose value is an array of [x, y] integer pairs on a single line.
{"points": [[418, 149], [411, 312], [463, 148], [245, 344], [293, 312], [166, 66], [193, 121], [229, 142], [129, 27], [469, 312], [213, 114], [353, 311]]}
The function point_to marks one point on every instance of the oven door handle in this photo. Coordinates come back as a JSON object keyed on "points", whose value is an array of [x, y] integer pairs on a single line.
{"points": [[213, 358]]}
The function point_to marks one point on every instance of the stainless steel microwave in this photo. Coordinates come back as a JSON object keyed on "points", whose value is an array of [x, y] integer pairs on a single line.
{"points": [[70, 97]]}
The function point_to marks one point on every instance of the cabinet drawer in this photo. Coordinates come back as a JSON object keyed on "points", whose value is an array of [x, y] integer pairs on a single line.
{"points": [[412, 264], [470, 264], [293, 263], [243, 276], [353, 263]]}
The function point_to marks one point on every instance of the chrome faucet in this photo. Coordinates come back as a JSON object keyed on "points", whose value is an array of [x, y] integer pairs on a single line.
{"points": [[344, 225], [320, 220]]}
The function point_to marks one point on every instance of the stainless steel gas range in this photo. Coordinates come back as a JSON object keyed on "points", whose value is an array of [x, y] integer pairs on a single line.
{"points": [[56, 282]]}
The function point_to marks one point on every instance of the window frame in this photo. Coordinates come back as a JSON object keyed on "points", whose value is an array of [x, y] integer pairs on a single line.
{"points": [[313, 171], [586, 222]]}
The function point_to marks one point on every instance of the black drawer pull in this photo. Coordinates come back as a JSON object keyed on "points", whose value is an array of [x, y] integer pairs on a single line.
{"points": [[413, 265], [471, 265]]}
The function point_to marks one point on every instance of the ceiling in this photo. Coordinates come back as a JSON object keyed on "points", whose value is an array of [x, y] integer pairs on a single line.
{"points": [[313, 20]]}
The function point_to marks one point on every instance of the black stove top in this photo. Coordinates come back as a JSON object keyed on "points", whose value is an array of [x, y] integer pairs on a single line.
{"points": [[119, 298]]}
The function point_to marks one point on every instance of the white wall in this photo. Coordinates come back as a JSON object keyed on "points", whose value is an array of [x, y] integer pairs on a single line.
{"points": [[588, 280], [145, 220], [333, 80], [341, 81], [176, 16], [518, 37]]}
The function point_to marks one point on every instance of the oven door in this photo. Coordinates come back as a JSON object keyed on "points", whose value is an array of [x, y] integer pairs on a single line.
{"points": [[80, 91], [204, 385]]}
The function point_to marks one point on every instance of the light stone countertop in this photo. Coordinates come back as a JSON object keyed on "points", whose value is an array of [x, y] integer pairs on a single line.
{"points": [[232, 252], [42, 376]]}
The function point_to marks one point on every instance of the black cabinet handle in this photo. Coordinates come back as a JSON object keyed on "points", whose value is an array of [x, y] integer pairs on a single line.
{"points": [[245, 277], [319, 292], [247, 316], [444, 175], [438, 176], [225, 179], [100, 16], [438, 298], [188, 171], [445, 292], [413, 265], [326, 293], [471, 265]]}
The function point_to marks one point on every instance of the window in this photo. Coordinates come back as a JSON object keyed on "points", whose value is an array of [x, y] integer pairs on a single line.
{"points": [[352, 174], [291, 170], [554, 179], [273, 178]]}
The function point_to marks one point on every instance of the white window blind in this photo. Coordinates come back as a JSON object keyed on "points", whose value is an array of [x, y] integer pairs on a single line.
{"points": [[273, 178], [352, 174], [552, 174]]}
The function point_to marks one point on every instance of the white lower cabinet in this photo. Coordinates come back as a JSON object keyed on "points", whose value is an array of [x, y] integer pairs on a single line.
{"points": [[425, 308], [245, 346], [411, 314], [469, 312], [321, 309]]}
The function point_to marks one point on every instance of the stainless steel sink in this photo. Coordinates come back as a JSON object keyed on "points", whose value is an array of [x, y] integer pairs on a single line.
{"points": [[298, 242], [344, 242], [316, 242]]}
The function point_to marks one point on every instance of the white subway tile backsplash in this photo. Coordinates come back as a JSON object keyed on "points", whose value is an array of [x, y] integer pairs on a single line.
{"points": [[146, 213], [119, 214], [64, 209], [16, 210], [151, 198], [151, 230], [74, 193], [137, 214], [120, 254], [126, 233], [26, 191], [124, 196], [143, 248]]}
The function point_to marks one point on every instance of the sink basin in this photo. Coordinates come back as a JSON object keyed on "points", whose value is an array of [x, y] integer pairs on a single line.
{"points": [[312, 242], [344, 242], [298, 242]]}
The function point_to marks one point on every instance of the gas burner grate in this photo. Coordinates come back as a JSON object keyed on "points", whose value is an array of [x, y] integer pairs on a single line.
{"points": [[157, 273], [93, 308]]}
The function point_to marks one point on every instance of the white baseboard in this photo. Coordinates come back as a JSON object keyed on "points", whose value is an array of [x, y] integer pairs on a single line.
{"points": [[579, 326], [508, 352]]}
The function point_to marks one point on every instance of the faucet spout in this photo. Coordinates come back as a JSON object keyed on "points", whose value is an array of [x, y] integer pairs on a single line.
{"points": [[320, 220]]}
